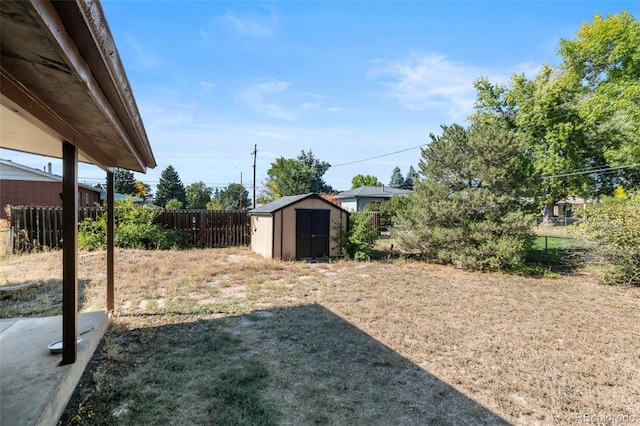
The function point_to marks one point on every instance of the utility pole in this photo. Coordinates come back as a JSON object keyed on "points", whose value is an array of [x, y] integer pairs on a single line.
{"points": [[255, 153], [241, 190]]}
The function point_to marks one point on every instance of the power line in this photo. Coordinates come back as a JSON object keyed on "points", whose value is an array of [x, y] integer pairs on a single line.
{"points": [[380, 156], [590, 171]]}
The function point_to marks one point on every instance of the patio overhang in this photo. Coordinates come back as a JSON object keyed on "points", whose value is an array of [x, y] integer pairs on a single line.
{"points": [[64, 94], [62, 77]]}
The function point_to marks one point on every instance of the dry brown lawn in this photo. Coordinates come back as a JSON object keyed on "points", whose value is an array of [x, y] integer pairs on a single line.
{"points": [[395, 341]]}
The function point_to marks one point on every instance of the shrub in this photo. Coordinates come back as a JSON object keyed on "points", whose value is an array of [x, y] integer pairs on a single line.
{"points": [[358, 242], [135, 227], [388, 209], [174, 204], [611, 234]]}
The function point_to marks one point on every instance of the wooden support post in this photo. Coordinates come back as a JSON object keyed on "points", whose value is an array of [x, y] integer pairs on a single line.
{"points": [[69, 253], [110, 241]]}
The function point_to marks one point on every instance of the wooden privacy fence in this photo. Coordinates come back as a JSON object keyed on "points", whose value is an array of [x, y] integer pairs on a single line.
{"points": [[209, 228], [374, 219], [38, 227]]}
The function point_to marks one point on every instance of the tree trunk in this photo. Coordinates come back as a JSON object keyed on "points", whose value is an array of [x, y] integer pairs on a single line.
{"points": [[547, 213]]}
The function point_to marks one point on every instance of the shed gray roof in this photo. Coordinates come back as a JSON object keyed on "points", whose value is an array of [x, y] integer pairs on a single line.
{"points": [[283, 202], [373, 192]]}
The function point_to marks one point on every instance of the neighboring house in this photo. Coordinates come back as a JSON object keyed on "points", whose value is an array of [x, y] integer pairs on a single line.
{"points": [[568, 206], [356, 199], [297, 227], [120, 197], [24, 186]]}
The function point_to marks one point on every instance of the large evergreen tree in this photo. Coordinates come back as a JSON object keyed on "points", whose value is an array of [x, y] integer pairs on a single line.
{"points": [[125, 182], [233, 196], [169, 187], [411, 178], [396, 178], [466, 209]]}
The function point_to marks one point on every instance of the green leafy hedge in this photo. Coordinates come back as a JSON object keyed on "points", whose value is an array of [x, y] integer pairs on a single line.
{"points": [[358, 242], [611, 233], [135, 227]]}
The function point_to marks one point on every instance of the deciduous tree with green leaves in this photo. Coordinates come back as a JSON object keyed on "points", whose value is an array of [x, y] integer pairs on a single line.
{"points": [[364, 180], [605, 58], [174, 204], [198, 195], [289, 176], [578, 119]]}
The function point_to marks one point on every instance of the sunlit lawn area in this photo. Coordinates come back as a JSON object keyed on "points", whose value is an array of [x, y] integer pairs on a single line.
{"points": [[223, 336]]}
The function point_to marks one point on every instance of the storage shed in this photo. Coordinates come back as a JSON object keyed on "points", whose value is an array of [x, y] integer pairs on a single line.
{"points": [[297, 227]]}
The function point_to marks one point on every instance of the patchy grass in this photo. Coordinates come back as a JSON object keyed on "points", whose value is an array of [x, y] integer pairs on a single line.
{"points": [[226, 337], [553, 250], [554, 243]]}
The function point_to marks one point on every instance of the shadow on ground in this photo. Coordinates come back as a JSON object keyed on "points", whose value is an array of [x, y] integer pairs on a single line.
{"points": [[286, 366], [40, 298]]}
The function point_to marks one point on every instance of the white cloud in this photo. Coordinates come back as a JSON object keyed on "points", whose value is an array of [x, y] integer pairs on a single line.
{"points": [[431, 81], [309, 105], [256, 97], [251, 26], [529, 69], [278, 99], [206, 87]]}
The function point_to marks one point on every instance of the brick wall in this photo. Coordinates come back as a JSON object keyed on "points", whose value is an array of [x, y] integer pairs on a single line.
{"points": [[33, 193]]}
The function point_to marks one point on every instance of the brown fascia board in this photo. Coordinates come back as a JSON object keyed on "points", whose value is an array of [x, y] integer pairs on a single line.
{"points": [[86, 23], [72, 84]]}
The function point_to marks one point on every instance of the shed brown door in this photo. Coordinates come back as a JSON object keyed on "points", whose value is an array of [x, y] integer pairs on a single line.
{"points": [[312, 233]]}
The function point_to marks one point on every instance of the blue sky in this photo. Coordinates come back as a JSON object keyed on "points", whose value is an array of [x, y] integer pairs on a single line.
{"points": [[348, 80]]}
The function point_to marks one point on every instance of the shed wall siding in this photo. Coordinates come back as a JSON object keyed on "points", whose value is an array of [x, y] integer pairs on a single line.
{"points": [[277, 235], [261, 232]]}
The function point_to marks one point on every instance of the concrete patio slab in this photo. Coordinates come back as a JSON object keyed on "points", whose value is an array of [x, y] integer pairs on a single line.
{"points": [[34, 388]]}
